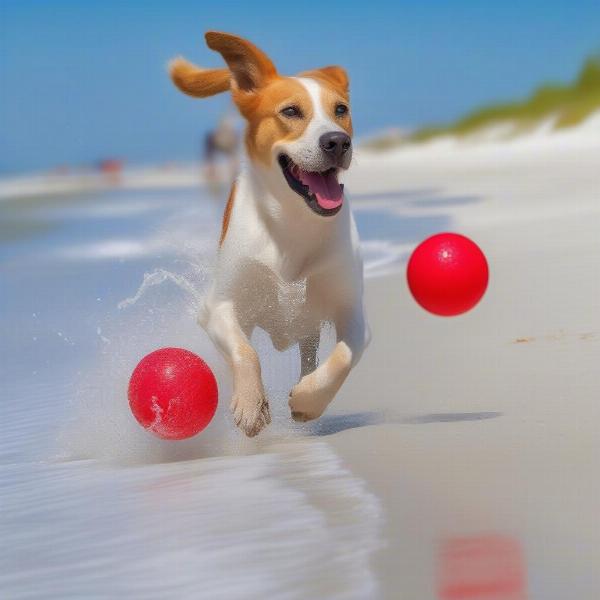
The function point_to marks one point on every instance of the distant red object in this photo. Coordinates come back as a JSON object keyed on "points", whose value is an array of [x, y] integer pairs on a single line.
{"points": [[173, 393], [111, 165], [447, 274], [487, 567]]}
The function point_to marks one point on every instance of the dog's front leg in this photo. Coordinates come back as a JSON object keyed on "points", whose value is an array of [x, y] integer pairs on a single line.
{"points": [[315, 390], [249, 404]]}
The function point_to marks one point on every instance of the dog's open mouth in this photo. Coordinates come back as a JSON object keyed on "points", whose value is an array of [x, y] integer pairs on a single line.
{"points": [[320, 190]]}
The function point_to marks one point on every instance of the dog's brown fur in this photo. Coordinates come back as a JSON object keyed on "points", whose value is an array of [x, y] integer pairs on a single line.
{"points": [[197, 82], [260, 92], [227, 214]]}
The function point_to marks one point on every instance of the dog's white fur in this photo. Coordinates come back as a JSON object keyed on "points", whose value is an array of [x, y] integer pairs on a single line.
{"points": [[287, 270]]}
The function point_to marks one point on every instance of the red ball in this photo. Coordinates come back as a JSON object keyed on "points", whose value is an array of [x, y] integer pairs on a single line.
{"points": [[447, 274], [173, 393]]}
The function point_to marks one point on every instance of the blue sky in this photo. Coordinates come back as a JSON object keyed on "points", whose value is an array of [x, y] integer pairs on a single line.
{"points": [[81, 79]]}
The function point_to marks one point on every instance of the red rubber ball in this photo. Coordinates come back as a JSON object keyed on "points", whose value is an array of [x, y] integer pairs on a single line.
{"points": [[447, 274], [173, 393]]}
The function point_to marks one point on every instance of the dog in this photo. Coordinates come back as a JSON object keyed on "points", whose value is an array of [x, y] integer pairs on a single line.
{"points": [[289, 257]]}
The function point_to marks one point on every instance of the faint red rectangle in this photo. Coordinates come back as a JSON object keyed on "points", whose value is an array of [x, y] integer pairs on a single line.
{"points": [[487, 567]]}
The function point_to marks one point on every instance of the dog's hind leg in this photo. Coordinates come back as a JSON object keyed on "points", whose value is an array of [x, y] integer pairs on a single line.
{"points": [[310, 397], [249, 404], [309, 347]]}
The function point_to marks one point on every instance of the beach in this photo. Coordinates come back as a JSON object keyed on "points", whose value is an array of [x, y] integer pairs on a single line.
{"points": [[479, 427], [491, 417]]}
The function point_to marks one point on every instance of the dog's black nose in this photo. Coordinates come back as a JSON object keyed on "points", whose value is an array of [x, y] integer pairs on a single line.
{"points": [[335, 143]]}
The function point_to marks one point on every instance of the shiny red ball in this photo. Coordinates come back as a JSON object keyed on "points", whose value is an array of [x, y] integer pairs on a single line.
{"points": [[173, 393], [447, 274]]}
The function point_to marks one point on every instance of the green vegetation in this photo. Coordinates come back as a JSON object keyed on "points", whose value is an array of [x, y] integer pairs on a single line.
{"points": [[570, 104]]}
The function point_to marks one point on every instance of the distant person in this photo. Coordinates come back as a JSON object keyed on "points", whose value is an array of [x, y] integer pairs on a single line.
{"points": [[222, 140]]}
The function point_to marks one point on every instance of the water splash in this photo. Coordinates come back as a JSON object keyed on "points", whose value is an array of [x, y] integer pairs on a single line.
{"points": [[158, 277]]}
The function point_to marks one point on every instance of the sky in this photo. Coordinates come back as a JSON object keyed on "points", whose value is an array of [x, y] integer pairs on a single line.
{"points": [[82, 80]]}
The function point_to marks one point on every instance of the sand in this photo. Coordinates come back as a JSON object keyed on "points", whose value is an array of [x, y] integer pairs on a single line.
{"points": [[487, 424]]}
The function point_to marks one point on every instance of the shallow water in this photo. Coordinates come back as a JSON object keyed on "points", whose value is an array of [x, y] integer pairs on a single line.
{"points": [[92, 505], [289, 522]]}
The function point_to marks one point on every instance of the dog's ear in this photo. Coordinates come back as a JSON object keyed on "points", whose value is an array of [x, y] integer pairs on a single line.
{"points": [[334, 75], [197, 82], [250, 67]]}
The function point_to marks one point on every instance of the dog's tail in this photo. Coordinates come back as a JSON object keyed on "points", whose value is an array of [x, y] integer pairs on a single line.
{"points": [[197, 82]]}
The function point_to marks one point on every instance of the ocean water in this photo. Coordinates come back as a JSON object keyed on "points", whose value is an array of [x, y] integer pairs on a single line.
{"points": [[91, 505]]}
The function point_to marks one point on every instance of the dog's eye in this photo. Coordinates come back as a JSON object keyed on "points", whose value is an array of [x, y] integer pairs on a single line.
{"points": [[291, 112], [341, 110]]}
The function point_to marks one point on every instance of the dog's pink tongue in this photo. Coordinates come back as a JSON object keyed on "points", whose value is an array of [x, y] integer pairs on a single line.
{"points": [[325, 187]]}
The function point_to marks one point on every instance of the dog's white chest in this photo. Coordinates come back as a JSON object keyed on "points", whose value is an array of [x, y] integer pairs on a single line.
{"points": [[291, 298]]}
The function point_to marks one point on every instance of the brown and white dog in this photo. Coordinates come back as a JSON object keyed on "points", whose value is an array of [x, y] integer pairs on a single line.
{"points": [[289, 258]]}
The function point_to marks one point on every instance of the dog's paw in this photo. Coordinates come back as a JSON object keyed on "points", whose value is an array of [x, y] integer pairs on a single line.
{"points": [[251, 412], [307, 403]]}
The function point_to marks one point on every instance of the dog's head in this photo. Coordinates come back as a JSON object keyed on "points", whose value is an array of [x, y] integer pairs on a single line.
{"points": [[299, 128]]}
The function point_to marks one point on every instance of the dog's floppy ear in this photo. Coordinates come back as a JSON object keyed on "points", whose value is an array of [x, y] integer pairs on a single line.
{"points": [[197, 82], [250, 67], [334, 75]]}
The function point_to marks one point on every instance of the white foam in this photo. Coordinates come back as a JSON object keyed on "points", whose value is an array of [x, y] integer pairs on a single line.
{"points": [[383, 257], [107, 250]]}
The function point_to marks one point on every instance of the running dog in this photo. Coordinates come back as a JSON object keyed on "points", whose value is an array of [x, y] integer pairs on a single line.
{"points": [[289, 257]]}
